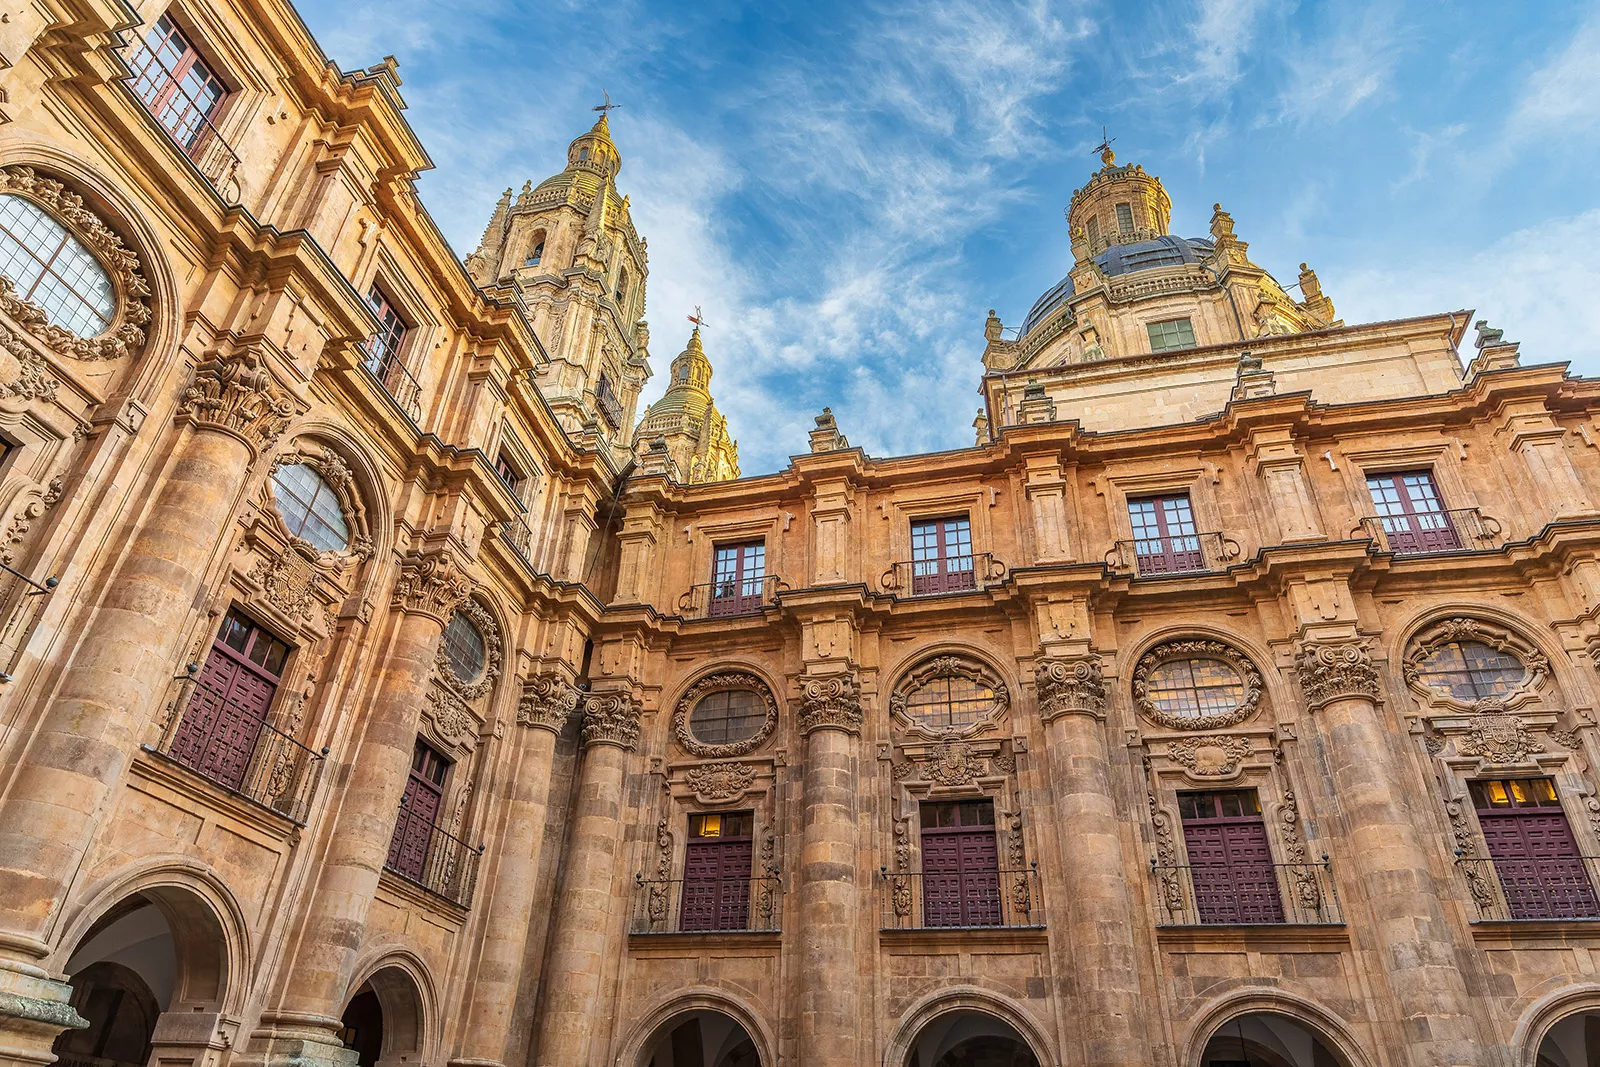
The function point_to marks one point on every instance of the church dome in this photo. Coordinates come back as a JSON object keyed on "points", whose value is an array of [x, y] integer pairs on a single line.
{"points": [[1168, 250]]}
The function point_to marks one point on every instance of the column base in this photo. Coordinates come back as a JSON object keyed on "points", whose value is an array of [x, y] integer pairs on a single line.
{"points": [[297, 1041], [34, 1011]]}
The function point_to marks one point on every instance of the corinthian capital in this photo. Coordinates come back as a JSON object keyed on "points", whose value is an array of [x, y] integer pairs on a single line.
{"points": [[546, 703], [1333, 670], [234, 393], [830, 702], [1070, 686], [431, 584], [611, 719]]}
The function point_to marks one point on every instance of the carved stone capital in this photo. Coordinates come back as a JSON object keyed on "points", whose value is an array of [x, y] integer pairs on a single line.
{"points": [[432, 584], [611, 719], [1070, 687], [830, 702], [1334, 670], [235, 393], [546, 703]]}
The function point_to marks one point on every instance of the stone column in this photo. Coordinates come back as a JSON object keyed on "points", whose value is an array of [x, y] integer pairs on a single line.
{"points": [[429, 589], [86, 737], [572, 980], [546, 704], [1099, 912], [830, 901], [1418, 951]]}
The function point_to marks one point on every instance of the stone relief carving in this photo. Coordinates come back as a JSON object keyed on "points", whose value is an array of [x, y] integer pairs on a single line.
{"points": [[721, 781], [659, 893], [1166, 857], [1535, 665], [34, 506], [1216, 756], [1334, 670], [830, 701], [1306, 891], [716, 683], [1568, 739], [1467, 849], [1192, 648], [953, 764], [611, 719], [547, 702], [235, 393], [766, 893], [288, 581], [1065, 686], [33, 378], [900, 886], [450, 716], [943, 667], [432, 584], [1497, 737]]}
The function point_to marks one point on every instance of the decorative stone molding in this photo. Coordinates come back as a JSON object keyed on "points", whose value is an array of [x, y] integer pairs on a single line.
{"points": [[611, 719], [720, 682], [659, 898], [1306, 890], [1172, 894], [546, 703], [33, 378], [288, 581], [1335, 670], [1216, 756], [947, 666], [235, 393], [126, 333], [1070, 687], [954, 764], [432, 585], [1478, 885], [450, 716], [1498, 738], [1192, 648], [766, 894], [719, 782], [333, 470], [489, 630], [830, 702], [1536, 667]]}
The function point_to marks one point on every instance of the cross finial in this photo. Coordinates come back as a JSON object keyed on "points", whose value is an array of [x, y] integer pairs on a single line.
{"points": [[1104, 148], [606, 108], [699, 319]]}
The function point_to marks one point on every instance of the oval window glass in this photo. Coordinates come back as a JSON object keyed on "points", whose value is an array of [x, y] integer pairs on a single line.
{"points": [[309, 507], [50, 267], [1471, 671], [1192, 688], [728, 717], [951, 702], [463, 647]]}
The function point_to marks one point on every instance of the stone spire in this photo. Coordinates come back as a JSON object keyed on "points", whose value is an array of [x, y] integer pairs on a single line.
{"points": [[687, 420]]}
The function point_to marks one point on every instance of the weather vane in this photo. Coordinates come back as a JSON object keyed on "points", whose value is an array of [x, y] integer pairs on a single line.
{"points": [[1104, 148], [699, 319], [606, 108]]}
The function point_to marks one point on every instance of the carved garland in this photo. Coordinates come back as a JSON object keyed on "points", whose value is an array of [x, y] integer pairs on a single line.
{"points": [[721, 782], [948, 667], [332, 468], [1197, 649], [1534, 664], [446, 674], [718, 683], [126, 333]]}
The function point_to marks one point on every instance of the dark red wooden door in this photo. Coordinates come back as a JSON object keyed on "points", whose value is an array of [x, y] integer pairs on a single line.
{"points": [[716, 873], [960, 865], [941, 557], [222, 722], [1413, 515], [419, 811], [1229, 858], [1534, 852], [1164, 537], [737, 577]]}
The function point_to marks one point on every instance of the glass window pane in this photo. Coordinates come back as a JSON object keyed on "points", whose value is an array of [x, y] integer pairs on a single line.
{"points": [[728, 717], [50, 267], [464, 648]]}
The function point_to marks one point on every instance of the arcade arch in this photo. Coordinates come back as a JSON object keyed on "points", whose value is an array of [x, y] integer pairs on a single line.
{"points": [[970, 1039], [1267, 1039], [1572, 1042], [703, 1038], [384, 1022]]}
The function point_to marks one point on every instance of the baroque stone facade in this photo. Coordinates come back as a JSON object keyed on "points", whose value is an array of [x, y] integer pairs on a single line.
{"points": [[358, 708]]}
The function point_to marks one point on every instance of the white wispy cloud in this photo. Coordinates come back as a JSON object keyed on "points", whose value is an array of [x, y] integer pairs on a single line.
{"points": [[1563, 94], [1333, 73], [1223, 32]]}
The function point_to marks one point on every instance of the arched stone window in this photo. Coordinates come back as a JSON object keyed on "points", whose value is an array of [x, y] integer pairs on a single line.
{"points": [[949, 697], [1474, 664], [1196, 685], [535, 251], [464, 650], [725, 714], [309, 507]]}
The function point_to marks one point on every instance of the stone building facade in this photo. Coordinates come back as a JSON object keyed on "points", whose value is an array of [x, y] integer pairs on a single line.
{"points": [[378, 690]]}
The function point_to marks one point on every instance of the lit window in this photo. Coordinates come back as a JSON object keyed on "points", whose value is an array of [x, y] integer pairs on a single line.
{"points": [[309, 507], [728, 717], [176, 85], [1471, 671], [1125, 218], [50, 267], [384, 347], [1193, 688], [1171, 334], [463, 647], [950, 701]]}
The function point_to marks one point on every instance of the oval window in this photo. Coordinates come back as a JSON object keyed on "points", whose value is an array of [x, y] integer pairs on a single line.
{"points": [[1471, 671], [727, 717], [1195, 688], [51, 268], [949, 702], [463, 647], [309, 507]]}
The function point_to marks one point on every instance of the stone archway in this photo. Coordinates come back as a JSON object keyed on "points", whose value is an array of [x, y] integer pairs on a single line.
{"points": [[1574, 1041], [703, 1038], [384, 1021], [1267, 1039], [970, 1039]]}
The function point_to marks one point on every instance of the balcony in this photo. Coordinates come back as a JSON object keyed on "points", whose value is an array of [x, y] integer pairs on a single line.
{"points": [[271, 769], [405, 390], [519, 535], [1525, 890], [741, 596], [1154, 557], [1425, 533], [945, 574], [198, 139], [429, 857], [23, 599], [1274, 894], [660, 906], [983, 900]]}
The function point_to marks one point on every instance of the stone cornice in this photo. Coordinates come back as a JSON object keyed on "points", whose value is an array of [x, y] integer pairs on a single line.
{"points": [[431, 584]]}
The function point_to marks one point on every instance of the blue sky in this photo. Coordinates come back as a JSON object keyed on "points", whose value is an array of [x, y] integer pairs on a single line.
{"points": [[847, 185]]}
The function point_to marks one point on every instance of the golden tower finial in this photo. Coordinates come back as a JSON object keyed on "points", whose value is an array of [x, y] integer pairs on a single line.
{"points": [[1107, 156], [603, 123]]}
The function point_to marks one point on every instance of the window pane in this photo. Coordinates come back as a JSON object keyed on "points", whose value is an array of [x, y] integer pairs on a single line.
{"points": [[1172, 334], [463, 647], [1471, 671], [50, 267], [945, 703], [1195, 687], [309, 507], [728, 717]]}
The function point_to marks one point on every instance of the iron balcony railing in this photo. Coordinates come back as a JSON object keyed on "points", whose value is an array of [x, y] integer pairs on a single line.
{"points": [[206, 147], [968, 900], [1197, 553], [1264, 895], [1415, 534], [22, 599], [753, 905], [946, 574], [519, 535], [742, 596], [389, 372], [269, 768], [1529, 889], [445, 866]]}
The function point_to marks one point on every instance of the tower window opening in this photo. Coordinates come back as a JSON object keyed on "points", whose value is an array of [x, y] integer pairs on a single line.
{"points": [[583, 154], [622, 287], [1124, 218], [1171, 335], [1094, 231], [536, 256]]}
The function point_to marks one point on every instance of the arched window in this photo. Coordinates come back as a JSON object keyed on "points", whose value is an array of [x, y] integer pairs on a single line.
{"points": [[50, 267], [536, 256], [1471, 670], [728, 717], [1196, 685], [949, 702], [725, 714], [1189, 688], [949, 696], [464, 648], [309, 507], [622, 287]]}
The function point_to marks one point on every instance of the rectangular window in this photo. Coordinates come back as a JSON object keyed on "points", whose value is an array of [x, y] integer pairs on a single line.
{"points": [[1229, 859], [1093, 226], [738, 575], [1125, 218], [716, 872], [174, 82], [1164, 537], [960, 864], [1533, 849], [508, 474], [941, 556], [1412, 512], [419, 812], [384, 347], [606, 399], [232, 695], [1171, 335]]}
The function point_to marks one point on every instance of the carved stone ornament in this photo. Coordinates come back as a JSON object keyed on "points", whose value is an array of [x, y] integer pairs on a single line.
{"points": [[288, 581], [1334, 670], [1070, 686], [721, 781], [1498, 738], [1535, 666], [720, 682], [126, 333], [1483, 894], [1209, 757], [830, 702], [235, 393], [546, 703], [943, 667], [431, 585], [953, 764], [611, 719], [332, 469], [450, 716], [1189, 648], [478, 687], [33, 378]]}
